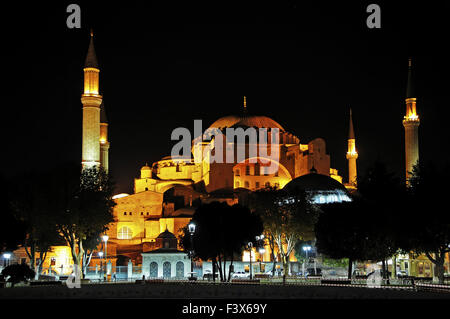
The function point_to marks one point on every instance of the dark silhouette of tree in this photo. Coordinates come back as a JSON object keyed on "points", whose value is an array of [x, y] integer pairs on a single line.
{"points": [[14, 234], [31, 204], [426, 221], [340, 232], [222, 231], [82, 205], [18, 273], [382, 195]]}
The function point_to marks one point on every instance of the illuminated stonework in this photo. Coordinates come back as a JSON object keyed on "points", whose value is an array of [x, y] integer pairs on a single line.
{"points": [[411, 124]]}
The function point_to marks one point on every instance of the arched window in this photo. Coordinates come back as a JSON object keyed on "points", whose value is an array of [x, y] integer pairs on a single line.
{"points": [[125, 233], [247, 185], [180, 269], [153, 269], [167, 272]]}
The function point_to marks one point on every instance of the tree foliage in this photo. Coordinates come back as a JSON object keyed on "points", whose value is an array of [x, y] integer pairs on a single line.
{"points": [[14, 234], [18, 273], [82, 205], [287, 218], [425, 218], [221, 233]]}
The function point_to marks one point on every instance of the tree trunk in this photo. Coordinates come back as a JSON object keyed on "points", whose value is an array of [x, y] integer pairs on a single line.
{"points": [[224, 267], [350, 264], [229, 271], [219, 267], [440, 260], [214, 269], [285, 265]]}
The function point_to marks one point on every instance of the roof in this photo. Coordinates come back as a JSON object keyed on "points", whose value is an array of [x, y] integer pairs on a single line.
{"points": [[103, 118], [166, 235], [410, 86], [258, 121], [165, 251], [351, 132], [314, 182], [91, 57]]}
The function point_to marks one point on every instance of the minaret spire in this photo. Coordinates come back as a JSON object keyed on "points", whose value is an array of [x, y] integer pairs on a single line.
{"points": [[245, 104], [351, 132], [91, 57], [352, 154], [411, 124], [93, 138]]}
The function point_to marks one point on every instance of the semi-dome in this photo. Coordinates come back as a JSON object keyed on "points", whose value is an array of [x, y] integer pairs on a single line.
{"points": [[323, 189], [258, 121]]}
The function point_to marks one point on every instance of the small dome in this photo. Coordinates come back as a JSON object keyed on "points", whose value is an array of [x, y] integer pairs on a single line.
{"points": [[146, 167], [314, 182], [322, 189], [166, 235]]}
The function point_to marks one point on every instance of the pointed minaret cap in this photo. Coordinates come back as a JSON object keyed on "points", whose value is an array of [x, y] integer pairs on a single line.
{"points": [[91, 57], [351, 132], [103, 118], [410, 86]]}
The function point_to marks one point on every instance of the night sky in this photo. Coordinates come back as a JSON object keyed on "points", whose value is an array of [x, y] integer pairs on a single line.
{"points": [[162, 66]]}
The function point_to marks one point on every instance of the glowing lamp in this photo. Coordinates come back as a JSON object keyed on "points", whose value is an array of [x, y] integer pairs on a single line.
{"points": [[105, 238], [191, 227], [6, 255]]}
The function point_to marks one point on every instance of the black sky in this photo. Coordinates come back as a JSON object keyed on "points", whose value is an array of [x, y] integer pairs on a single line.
{"points": [[162, 66]]}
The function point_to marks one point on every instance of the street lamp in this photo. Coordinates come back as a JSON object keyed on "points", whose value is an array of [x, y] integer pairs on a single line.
{"points": [[191, 228], [250, 246], [262, 250], [105, 239], [7, 256], [100, 254], [306, 249]]}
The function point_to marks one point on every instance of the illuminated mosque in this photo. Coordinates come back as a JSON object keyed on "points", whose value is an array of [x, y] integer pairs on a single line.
{"points": [[168, 191]]}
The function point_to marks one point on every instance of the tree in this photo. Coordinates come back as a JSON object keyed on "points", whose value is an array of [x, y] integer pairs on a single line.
{"points": [[426, 222], [287, 218], [18, 273], [13, 235], [82, 205], [31, 204], [381, 196], [340, 233], [221, 233]]}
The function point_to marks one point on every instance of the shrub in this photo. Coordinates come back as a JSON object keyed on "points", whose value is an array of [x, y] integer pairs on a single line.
{"points": [[18, 273]]}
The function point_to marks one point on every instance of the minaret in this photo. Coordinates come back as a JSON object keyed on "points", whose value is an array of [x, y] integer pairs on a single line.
{"points": [[91, 100], [245, 105], [352, 155], [104, 143], [411, 123]]}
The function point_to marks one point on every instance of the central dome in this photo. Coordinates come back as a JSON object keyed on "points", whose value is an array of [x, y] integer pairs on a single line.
{"points": [[258, 121]]}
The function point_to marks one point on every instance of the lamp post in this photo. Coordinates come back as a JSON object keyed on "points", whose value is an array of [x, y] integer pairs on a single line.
{"points": [[261, 255], [261, 250], [100, 254], [250, 246], [6, 256], [105, 239], [306, 249], [191, 228]]}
